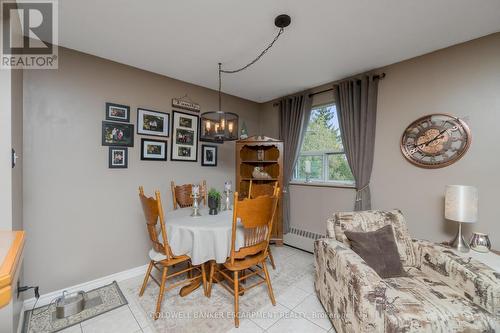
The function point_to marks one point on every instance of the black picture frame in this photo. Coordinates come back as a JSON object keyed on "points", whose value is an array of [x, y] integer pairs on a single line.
{"points": [[204, 158], [112, 157], [140, 122], [125, 140], [144, 154], [176, 148], [113, 106]]}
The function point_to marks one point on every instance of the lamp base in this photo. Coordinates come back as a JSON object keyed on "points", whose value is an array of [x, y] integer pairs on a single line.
{"points": [[458, 242]]}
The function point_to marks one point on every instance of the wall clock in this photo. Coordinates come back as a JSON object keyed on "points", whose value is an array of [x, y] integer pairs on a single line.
{"points": [[435, 141]]}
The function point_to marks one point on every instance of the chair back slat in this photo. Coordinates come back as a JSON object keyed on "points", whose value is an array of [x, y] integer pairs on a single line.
{"points": [[181, 194], [153, 214], [256, 216]]}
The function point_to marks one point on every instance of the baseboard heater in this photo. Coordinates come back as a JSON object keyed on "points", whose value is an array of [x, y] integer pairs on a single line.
{"points": [[302, 239]]}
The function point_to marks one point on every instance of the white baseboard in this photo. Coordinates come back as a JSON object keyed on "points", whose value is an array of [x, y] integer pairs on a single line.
{"points": [[304, 243], [86, 286]]}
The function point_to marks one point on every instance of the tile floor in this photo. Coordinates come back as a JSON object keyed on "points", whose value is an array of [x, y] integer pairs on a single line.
{"points": [[297, 309]]}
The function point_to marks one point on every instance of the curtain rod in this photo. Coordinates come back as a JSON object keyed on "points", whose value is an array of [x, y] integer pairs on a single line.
{"points": [[379, 76]]}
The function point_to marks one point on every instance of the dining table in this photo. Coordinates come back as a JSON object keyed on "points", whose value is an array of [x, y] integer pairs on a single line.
{"points": [[203, 238]]}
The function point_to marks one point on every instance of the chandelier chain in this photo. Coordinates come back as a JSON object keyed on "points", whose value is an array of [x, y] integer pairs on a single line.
{"points": [[256, 59]]}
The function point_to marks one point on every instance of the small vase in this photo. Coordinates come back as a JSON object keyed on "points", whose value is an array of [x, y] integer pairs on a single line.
{"points": [[212, 205], [480, 242]]}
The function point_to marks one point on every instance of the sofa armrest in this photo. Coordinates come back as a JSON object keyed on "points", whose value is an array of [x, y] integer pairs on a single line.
{"points": [[348, 288], [478, 283]]}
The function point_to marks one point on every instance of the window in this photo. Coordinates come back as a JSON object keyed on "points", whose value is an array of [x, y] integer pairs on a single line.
{"points": [[323, 148]]}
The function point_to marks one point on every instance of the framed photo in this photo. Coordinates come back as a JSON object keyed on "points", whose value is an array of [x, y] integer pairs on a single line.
{"points": [[151, 122], [118, 158], [117, 112], [117, 134], [185, 132], [153, 150], [209, 155]]}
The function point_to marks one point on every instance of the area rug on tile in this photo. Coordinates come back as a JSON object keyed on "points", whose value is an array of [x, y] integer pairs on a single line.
{"points": [[97, 301], [197, 313]]}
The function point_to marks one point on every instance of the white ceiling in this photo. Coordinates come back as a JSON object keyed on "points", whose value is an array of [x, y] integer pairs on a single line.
{"points": [[327, 40]]}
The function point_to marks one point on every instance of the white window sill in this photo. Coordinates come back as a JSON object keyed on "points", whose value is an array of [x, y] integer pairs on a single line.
{"points": [[313, 183]]}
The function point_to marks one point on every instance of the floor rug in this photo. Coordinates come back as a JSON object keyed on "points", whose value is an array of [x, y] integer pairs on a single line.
{"points": [[197, 313], [98, 301]]}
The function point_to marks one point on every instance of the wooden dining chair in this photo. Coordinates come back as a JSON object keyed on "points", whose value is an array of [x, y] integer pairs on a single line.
{"points": [[181, 194], [257, 190], [256, 216], [162, 258]]}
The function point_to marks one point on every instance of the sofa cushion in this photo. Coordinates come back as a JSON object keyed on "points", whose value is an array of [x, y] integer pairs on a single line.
{"points": [[378, 249], [423, 303], [373, 220]]}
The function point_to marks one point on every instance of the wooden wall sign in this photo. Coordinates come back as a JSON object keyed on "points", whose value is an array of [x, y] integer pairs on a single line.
{"points": [[186, 104]]}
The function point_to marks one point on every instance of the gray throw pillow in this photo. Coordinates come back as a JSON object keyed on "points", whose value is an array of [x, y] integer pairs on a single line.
{"points": [[379, 250]]}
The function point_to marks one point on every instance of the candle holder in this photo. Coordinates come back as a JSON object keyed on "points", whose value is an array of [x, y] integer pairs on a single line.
{"points": [[195, 194], [227, 192], [308, 177], [227, 201]]}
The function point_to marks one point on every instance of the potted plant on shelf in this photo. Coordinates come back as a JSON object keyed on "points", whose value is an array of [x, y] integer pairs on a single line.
{"points": [[213, 201]]}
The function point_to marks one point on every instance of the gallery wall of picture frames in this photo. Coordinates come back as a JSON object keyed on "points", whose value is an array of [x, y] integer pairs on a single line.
{"points": [[118, 135]]}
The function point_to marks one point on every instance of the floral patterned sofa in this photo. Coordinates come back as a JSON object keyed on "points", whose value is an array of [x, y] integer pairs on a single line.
{"points": [[443, 292]]}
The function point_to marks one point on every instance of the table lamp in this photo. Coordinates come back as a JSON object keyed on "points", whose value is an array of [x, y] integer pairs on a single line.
{"points": [[460, 206]]}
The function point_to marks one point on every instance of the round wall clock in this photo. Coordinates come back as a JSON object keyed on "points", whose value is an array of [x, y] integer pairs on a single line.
{"points": [[435, 141]]}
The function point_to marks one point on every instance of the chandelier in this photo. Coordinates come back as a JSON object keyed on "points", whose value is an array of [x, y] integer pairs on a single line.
{"points": [[220, 126]]}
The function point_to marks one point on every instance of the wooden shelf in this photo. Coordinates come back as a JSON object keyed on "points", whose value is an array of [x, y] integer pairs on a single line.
{"points": [[267, 154]]}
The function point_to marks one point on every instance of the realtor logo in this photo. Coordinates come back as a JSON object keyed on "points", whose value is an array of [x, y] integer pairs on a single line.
{"points": [[29, 34]]}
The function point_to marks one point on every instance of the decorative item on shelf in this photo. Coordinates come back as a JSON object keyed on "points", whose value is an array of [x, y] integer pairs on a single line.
{"points": [[260, 155], [184, 146], [117, 134], [213, 201], [153, 150], [208, 155], [227, 195], [307, 170], [244, 131], [461, 204], [186, 103], [117, 112], [151, 122], [480, 242], [435, 141], [118, 158], [195, 194], [219, 126], [259, 173]]}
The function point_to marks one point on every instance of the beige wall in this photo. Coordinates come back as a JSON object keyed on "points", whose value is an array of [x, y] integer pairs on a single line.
{"points": [[84, 220], [463, 80]]}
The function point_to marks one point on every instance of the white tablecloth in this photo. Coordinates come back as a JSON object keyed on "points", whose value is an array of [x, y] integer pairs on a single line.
{"points": [[203, 238]]}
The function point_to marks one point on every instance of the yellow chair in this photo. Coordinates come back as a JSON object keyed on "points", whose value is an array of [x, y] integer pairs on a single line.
{"points": [[181, 194], [161, 255], [256, 216]]}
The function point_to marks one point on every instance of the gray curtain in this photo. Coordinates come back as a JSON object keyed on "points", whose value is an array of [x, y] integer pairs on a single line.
{"points": [[356, 101], [294, 115]]}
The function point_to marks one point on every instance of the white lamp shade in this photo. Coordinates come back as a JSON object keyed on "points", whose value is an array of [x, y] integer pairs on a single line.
{"points": [[461, 203]]}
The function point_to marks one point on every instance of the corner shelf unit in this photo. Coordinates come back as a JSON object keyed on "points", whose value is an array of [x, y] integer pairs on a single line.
{"points": [[266, 153]]}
